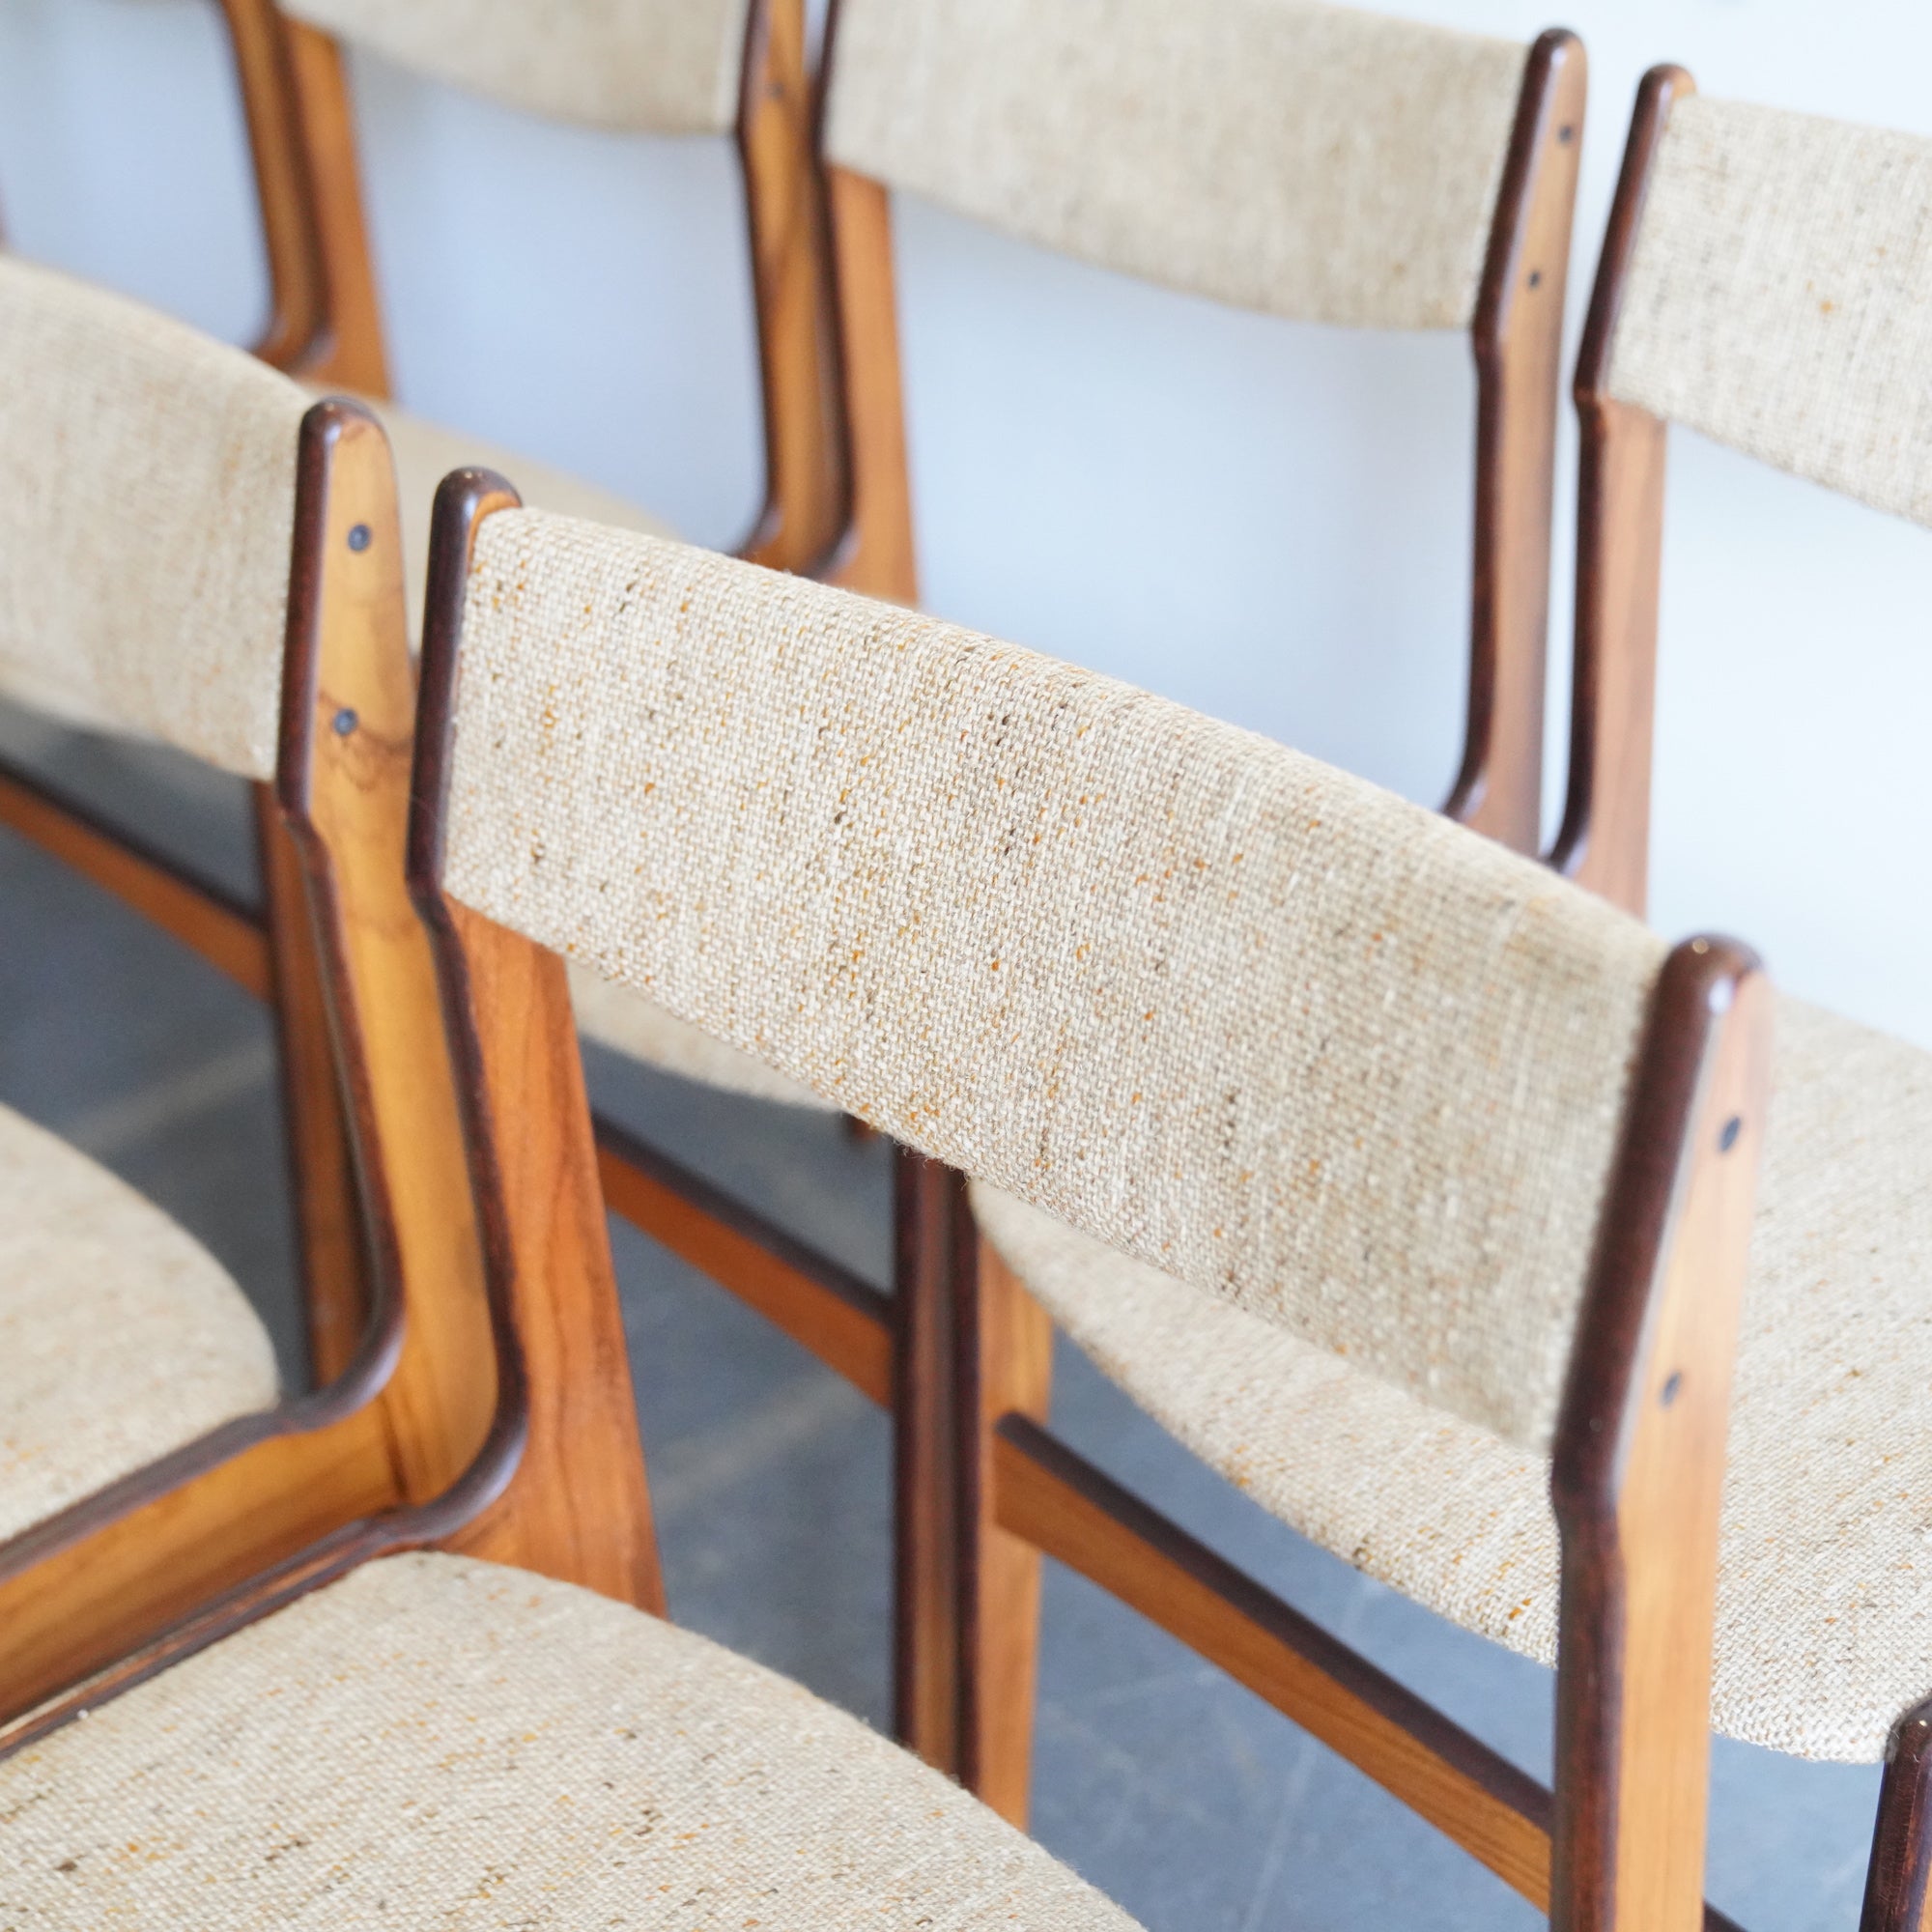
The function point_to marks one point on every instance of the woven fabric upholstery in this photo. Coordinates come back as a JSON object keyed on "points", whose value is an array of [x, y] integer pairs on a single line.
{"points": [[146, 520], [1235, 1012], [121, 1338], [439, 1741], [1780, 297], [1316, 161], [1824, 1619], [648, 67]]}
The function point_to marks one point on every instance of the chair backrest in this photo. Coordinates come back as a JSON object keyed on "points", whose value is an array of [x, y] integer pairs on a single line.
{"points": [[146, 526], [1767, 280], [1311, 160], [1314, 162], [1241, 1015], [645, 67]]}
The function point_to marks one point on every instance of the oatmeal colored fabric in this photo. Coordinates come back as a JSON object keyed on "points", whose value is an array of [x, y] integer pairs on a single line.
{"points": [[1241, 1015], [1781, 297], [146, 519], [121, 1337], [435, 1741], [1317, 161], [647, 67], [1825, 1594]]}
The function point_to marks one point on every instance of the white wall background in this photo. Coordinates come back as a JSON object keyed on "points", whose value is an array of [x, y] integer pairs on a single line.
{"points": [[1266, 519]]}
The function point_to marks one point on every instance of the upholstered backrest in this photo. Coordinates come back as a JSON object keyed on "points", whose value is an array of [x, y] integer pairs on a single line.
{"points": [[147, 515], [1780, 297], [1239, 1014], [647, 67], [1312, 160]]}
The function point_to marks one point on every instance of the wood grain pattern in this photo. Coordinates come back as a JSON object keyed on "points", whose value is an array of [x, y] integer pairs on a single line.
{"points": [[876, 555], [1517, 342], [842, 1321], [1005, 1369], [573, 1502], [222, 929], [1639, 1455], [350, 349], [791, 282], [930, 1219], [297, 284], [1605, 839]]}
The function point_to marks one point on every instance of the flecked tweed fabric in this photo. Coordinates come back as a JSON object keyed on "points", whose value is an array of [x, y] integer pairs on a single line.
{"points": [[651, 67], [1317, 161], [628, 1023], [121, 1337], [1781, 297], [1241, 1015], [434, 1742], [147, 509], [1825, 1591]]}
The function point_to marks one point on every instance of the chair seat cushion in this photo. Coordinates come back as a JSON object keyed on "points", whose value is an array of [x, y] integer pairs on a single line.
{"points": [[121, 1337], [1824, 1590], [437, 1741]]}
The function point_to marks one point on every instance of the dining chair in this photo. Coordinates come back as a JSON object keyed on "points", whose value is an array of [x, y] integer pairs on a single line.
{"points": [[1315, 162], [1820, 1633], [723, 69], [1493, 1138], [194, 552]]}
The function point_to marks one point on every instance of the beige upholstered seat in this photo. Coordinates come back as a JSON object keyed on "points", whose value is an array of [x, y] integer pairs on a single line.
{"points": [[121, 1337], [434, 1741], [1825, 1598]]}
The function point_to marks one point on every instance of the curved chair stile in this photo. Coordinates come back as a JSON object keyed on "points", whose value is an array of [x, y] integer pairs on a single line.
{"points": [[82, 1587]]}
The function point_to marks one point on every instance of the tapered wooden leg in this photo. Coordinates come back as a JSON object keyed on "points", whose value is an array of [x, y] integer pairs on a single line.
{"points": [[329, 1229], [1007, 1361], [928, 1209], [1898, 1894]]}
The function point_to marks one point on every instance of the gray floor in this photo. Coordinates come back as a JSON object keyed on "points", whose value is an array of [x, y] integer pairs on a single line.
{"points": [[1182, 1796]]}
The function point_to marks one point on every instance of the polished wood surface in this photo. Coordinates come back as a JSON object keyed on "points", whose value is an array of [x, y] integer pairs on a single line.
{"points": [[337, 1296], [841, 1320], [222, 929], [876, 555], [791, 281], [1639, 1455], [1005, 1364], [1517, 341], [1605, 839], [1899, 1879], [297, 285], [348, 353]]}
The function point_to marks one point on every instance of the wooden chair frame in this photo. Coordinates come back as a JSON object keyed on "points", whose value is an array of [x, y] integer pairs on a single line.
{"points": [[1516, 337], [558, 1484], [111, 1573]]}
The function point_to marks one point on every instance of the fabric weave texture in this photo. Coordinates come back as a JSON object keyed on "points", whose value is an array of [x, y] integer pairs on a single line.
{"points": [[1239, 1014], [121, 1336], [1780, 297], [1314, 162], [643, 66], [1824, 1630], [147, 520], [435, 1741]]}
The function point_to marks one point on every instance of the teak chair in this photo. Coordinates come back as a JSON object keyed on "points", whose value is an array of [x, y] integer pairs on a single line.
{"points": [[1313, 161], [192, 551], [899, 861], [720, 67], [1764, 280], [1820, 1633]]}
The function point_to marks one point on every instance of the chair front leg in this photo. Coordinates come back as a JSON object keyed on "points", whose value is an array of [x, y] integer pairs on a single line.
{"points": [[1898, 1894]]}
